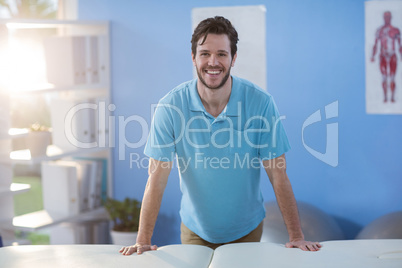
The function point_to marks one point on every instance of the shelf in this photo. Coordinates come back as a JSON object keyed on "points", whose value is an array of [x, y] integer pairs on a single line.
{"points": [[53, 153], [15, 188], [31, 47], [49, 88], [34, 221], [37, 23], [15, 133]]}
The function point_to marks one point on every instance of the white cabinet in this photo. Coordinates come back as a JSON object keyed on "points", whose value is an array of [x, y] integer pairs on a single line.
{"points": [[68, 62]]}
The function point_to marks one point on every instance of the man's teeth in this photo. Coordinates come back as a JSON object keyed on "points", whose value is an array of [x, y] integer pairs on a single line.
{"points": [[213, 72]]}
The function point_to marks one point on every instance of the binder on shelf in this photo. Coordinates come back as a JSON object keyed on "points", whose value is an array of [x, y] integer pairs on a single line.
{"points": [[92, 49], [64, 60], [76, 184], [76, 60], [5, 121], [78, 56], [95, 185], [103, 60], [102, 122], [102, 178], [73, 123], [84, 176], [60, 188]]}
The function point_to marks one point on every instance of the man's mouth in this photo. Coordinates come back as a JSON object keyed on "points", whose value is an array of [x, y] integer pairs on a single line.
{"points": [[213, 72]]}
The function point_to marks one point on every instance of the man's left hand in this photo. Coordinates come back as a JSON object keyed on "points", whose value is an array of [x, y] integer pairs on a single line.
{"points": [[304, 245]]}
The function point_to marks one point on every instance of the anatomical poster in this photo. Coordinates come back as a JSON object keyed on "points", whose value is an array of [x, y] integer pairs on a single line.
{"points": [[383, 53]]}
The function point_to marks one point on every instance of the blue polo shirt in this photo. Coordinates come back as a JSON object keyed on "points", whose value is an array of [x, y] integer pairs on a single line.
{"points": [[218, 158]]}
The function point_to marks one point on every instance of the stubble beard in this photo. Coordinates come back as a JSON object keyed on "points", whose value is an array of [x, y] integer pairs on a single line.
{"points": [[224, 79]]}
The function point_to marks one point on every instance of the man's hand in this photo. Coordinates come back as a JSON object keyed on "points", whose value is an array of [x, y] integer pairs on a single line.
{"points": [[304, 245], [158, 175], [139, 248]]}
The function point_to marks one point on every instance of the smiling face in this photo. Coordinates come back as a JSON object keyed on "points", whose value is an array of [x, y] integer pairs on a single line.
{"points": [[213, 60]]}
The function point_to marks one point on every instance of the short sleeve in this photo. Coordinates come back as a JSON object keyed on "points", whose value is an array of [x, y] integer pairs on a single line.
{"points": [[276, 137], [161, 140]]}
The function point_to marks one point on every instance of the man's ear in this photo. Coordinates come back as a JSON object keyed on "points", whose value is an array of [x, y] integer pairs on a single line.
{"points": [[234, 59], [193, 58]]}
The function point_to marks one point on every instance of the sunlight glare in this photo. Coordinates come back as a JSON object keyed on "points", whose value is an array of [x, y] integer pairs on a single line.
{"points": [[27, 67]]}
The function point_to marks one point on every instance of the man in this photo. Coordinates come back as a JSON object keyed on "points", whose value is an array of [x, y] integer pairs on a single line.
{"points": [[388, 35], [219, 127]]}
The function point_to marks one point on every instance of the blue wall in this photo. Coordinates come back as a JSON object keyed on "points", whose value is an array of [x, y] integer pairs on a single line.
{"points": [[315, 56]]}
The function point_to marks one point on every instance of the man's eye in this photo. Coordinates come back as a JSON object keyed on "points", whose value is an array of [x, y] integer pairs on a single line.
{"points": [[204, 54], [222, 55]]}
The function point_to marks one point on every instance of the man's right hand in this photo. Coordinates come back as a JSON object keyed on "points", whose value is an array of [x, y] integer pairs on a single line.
{"points": [[158, 175], [139, 248]]}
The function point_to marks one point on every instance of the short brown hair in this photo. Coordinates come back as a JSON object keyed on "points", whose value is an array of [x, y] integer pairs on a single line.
{"points": [[215, 25]]}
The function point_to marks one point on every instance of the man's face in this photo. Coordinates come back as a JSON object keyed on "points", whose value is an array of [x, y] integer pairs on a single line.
{"points": [[213, 60]]}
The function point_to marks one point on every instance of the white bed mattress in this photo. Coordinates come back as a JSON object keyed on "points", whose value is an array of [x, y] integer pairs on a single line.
{"points": [[342, 253]]}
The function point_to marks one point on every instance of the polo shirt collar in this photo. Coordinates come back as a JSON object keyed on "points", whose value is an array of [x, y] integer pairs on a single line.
{"points": [[235, 98], [231, 108], [195, 100]]}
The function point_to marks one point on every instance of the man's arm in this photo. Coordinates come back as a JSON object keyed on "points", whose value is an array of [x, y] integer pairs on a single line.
{"points": [[158, 175], [276, 170]]}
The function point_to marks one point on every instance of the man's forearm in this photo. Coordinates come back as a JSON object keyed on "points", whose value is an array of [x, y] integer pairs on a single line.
{"points": [[276, 170], [149, 210], [288, 206], [158, 175]]}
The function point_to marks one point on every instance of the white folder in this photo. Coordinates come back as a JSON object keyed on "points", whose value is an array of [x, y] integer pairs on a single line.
{"points": [[72, 128], [76, 60], [60, 188], [65, 60]]}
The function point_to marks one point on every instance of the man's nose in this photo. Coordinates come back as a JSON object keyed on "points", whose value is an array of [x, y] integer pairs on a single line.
{"points": [[213, 60]]}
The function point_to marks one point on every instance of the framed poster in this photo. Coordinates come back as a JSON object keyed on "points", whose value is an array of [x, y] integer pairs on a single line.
{"points": [[383, 56]]}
